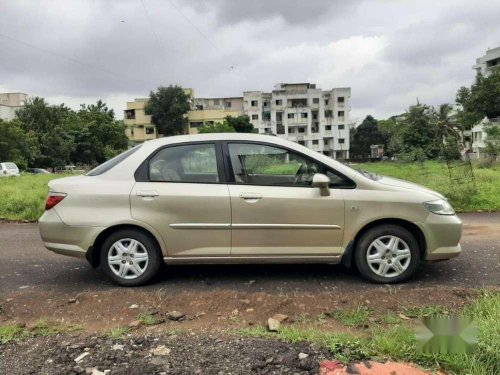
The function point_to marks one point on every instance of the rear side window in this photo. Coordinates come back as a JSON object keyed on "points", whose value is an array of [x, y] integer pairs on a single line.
{"points": [[106, 166], [196, 163], [10, 166]]}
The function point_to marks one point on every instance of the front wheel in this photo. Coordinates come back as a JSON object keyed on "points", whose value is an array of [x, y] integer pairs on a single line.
{"points": [[387, 254], [130, 257]]}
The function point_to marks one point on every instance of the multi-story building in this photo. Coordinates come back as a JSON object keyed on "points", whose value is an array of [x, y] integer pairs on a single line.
{"points": [[305, 114], [486, 63], [213, 110], [138, 125], [10, 103]]}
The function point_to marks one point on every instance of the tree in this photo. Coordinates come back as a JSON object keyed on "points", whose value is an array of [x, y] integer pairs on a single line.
{"points": [[218, 127], [419, 136], [240, 124], [482, 98], [16, 145], [168, 107], [364, 136], [492, 141]]}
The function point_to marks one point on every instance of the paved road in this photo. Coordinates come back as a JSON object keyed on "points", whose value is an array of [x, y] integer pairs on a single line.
{"points": [[26, 265]]}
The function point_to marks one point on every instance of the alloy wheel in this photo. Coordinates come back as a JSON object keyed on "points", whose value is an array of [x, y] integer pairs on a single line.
{"points": [[128, 258], [388, 256]]}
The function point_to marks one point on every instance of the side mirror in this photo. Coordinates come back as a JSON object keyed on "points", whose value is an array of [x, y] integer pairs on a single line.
{"points": [[322, 182]]}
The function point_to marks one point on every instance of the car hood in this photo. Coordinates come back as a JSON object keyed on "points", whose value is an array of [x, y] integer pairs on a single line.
{"points": [[408, 185]]}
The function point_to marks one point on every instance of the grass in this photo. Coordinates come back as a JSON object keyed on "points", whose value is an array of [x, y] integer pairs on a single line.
{"points": [[395, 339], [147, 319], [118, 333], [23, 198], [353, 317], [42, 327], [484, 196]]}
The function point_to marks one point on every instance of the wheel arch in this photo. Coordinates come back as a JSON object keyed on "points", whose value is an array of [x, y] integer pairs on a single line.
{"points": [[93, 253], [348, 256]]}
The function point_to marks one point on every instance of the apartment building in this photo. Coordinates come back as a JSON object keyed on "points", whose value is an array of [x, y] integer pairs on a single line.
{"points": [[305, 114], [9, 103], [213, 110], [138, 125], [486, 63]]}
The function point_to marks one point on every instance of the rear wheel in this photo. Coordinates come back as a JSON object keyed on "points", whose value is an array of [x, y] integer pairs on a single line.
{"points": [[130, 257], [387, 254]]}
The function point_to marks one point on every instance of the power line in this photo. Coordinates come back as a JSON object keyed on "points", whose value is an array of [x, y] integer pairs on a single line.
{"points": [[194, 25], [71, 59], [158, 41]]}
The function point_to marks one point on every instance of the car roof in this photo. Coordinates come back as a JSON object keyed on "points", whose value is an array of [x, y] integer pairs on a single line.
{"points": [[214, 137]]}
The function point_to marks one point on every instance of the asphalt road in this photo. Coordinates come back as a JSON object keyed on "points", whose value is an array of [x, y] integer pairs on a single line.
{"points": [[26, 265]]}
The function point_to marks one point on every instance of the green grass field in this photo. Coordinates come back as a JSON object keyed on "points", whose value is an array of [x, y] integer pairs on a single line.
{"points": [[483, 195], [22, 198]]}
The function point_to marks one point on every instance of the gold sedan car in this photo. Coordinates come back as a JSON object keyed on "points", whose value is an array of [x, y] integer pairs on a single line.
{"points": [[243, 198]]}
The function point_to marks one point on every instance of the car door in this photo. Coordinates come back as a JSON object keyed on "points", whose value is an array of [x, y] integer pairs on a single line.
{"points": [[275, 210], [185, 198]]}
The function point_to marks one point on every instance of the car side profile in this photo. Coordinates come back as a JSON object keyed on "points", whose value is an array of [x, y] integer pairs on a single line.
{"points": [[244, 198]]}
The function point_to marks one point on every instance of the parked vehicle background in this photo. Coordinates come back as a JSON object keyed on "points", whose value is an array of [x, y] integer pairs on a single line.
{"points": [[8, 169], [37, 171]]}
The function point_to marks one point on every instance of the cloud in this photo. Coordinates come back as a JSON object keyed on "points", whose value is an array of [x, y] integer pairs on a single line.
{"points": [[388, 52]]}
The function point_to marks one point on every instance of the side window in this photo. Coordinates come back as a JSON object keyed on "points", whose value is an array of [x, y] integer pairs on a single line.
{"points": [[257, 164], [187, 163]]}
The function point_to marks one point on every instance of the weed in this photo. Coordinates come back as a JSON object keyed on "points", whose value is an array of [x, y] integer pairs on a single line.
{"points": [[353, 317], [118, 333], [147, 319], [421, 311]]}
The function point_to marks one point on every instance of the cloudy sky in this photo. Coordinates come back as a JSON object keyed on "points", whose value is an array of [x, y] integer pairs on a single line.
{"points": [[390, 52]]}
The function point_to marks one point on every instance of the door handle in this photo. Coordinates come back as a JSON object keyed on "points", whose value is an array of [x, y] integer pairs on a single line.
{"points": [[250, 196], [147, 194]]}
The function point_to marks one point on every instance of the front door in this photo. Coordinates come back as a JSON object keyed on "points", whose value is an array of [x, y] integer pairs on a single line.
{"points": [[275, 210], [186, 201]]}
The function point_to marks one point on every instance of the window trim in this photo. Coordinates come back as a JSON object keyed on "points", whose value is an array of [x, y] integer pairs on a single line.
{"points": [[231, 180], [142, 172]]}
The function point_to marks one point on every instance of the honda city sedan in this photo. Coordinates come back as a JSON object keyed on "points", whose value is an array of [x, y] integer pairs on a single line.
{"points": [[244, 198]]}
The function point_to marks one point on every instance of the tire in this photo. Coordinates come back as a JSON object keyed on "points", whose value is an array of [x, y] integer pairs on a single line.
{"points": [[130, 257], [393, 251]]}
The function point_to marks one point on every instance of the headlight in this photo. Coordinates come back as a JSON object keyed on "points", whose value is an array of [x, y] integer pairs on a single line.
{"points": [[440, 207]]}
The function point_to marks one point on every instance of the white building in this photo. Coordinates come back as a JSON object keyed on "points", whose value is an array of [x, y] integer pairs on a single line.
{"points": [[10, 103], [302, 113], [491, 60]]}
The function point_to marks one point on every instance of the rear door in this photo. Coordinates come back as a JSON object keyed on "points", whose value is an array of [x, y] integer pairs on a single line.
{"points": [[186, 199], [275, 210]]}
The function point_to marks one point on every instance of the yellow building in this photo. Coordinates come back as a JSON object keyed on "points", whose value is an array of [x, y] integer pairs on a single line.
{"points": [[138, 125], [205, 111]]}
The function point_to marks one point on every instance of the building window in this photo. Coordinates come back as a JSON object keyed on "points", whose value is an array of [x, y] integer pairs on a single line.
{"points": [[291, 115], [340, 113], [228, 104], [266, 103], [303, 115], [340, 99], [279, 102], [325, 141], [315, 142], [255, 117], [254, 103], [315, 100], [302, 130], [195, 124], [328, 128], [150, 130], [130, 114], [291, 130], [328, 113], [341, 140], [303, 143], [315, 115], [341, 126], [326, 101], [216, 101]]}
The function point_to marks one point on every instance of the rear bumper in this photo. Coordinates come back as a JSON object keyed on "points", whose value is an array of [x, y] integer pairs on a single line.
{"points": [[66, 239], [442, 234]]}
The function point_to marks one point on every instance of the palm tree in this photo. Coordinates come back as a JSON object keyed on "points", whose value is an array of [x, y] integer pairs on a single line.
{"points": [[446, 123]]}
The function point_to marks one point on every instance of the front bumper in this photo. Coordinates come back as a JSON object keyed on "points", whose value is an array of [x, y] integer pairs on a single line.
{"points": [[66, 239], [442, 235]]}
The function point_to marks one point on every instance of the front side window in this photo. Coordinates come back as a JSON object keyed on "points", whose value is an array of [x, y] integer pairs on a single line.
{"points": [[258, 164], [195, 163]]}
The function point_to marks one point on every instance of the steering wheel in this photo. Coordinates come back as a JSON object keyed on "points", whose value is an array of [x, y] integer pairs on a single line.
{"points": [[300, 172]]}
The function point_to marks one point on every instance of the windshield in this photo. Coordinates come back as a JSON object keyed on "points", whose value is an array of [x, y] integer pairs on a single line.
{"points": [[106, 166]]}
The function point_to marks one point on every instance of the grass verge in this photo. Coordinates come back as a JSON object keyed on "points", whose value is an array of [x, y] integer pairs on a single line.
{"points": [[394, 339], [42, 327]]}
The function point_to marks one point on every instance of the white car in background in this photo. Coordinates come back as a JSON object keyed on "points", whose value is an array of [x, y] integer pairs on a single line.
{"points": [[8, 169]]}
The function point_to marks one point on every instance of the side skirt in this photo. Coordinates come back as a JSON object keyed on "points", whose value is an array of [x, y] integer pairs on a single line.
{"points": [[254, 260]]}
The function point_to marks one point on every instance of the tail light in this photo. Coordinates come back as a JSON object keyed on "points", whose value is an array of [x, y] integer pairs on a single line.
{"points": [[53, 199]]}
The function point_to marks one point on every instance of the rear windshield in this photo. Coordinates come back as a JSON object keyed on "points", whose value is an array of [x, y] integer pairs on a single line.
{"points": [[106, 166], [10, 166]]}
